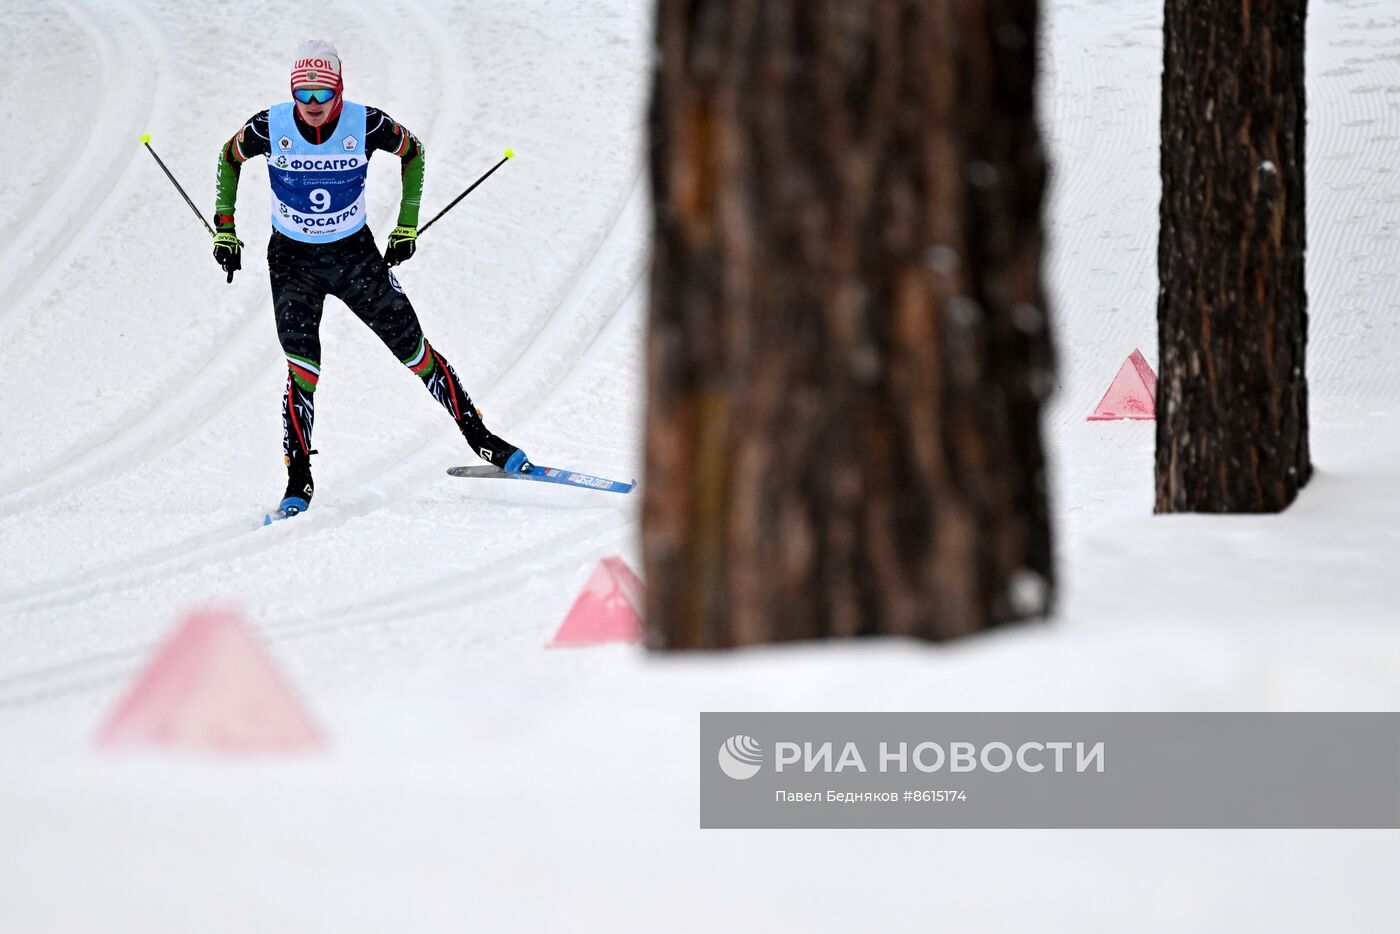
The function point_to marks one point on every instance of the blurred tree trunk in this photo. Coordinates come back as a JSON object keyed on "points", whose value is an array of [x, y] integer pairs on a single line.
{"points": [[1232, 395], [848, 348]]}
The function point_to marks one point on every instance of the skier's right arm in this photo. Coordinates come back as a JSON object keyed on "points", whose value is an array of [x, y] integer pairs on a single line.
{"points": [[251, 140], [248, 142]]}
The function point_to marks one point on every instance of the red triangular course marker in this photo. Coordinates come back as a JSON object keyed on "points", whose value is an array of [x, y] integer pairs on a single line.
{"points": [[213, 688], [1133, 393], [608, 609]]}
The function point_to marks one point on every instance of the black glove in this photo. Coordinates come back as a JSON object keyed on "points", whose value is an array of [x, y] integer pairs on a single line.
{"points": [[402, 243], [228, 252]]}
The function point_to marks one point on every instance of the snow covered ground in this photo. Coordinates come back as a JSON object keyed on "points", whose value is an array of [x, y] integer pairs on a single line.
{"points": [[477, 781]]}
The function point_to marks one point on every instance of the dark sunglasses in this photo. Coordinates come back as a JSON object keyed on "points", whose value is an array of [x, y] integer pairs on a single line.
{"points": [[313, 95]]}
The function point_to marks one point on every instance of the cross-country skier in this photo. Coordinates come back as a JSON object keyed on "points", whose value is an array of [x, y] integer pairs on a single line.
{"points": [[318, 147]]}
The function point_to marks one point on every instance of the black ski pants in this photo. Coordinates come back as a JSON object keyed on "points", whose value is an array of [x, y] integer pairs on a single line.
{"points": [[353, 270]]}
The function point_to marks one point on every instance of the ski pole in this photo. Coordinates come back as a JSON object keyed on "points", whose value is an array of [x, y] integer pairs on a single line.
{"points": [[510, 154], [146, 141]]}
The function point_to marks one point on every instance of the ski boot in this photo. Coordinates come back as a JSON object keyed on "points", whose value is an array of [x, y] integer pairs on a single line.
{"points": [[500, 453], [297, 498]]}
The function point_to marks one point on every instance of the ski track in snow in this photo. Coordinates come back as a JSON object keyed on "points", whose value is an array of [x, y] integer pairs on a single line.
{"points": [[73, 55], [1098, 263], [56, 232], [1353, 222], [111, 668]]}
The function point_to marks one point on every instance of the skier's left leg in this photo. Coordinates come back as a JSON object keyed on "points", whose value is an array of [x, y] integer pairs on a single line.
{"points": [[298, 296], [373, 293], [442, 381]]}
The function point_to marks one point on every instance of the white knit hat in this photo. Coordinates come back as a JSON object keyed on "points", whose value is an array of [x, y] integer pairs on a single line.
{"points": [[317, 64]]}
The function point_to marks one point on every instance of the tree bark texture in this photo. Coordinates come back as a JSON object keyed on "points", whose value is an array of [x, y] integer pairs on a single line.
{"points": [[848, 346], [1232, 395]]}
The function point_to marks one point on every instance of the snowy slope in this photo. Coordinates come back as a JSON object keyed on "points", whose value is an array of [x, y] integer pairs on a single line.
{"points": [[477, 781]]}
